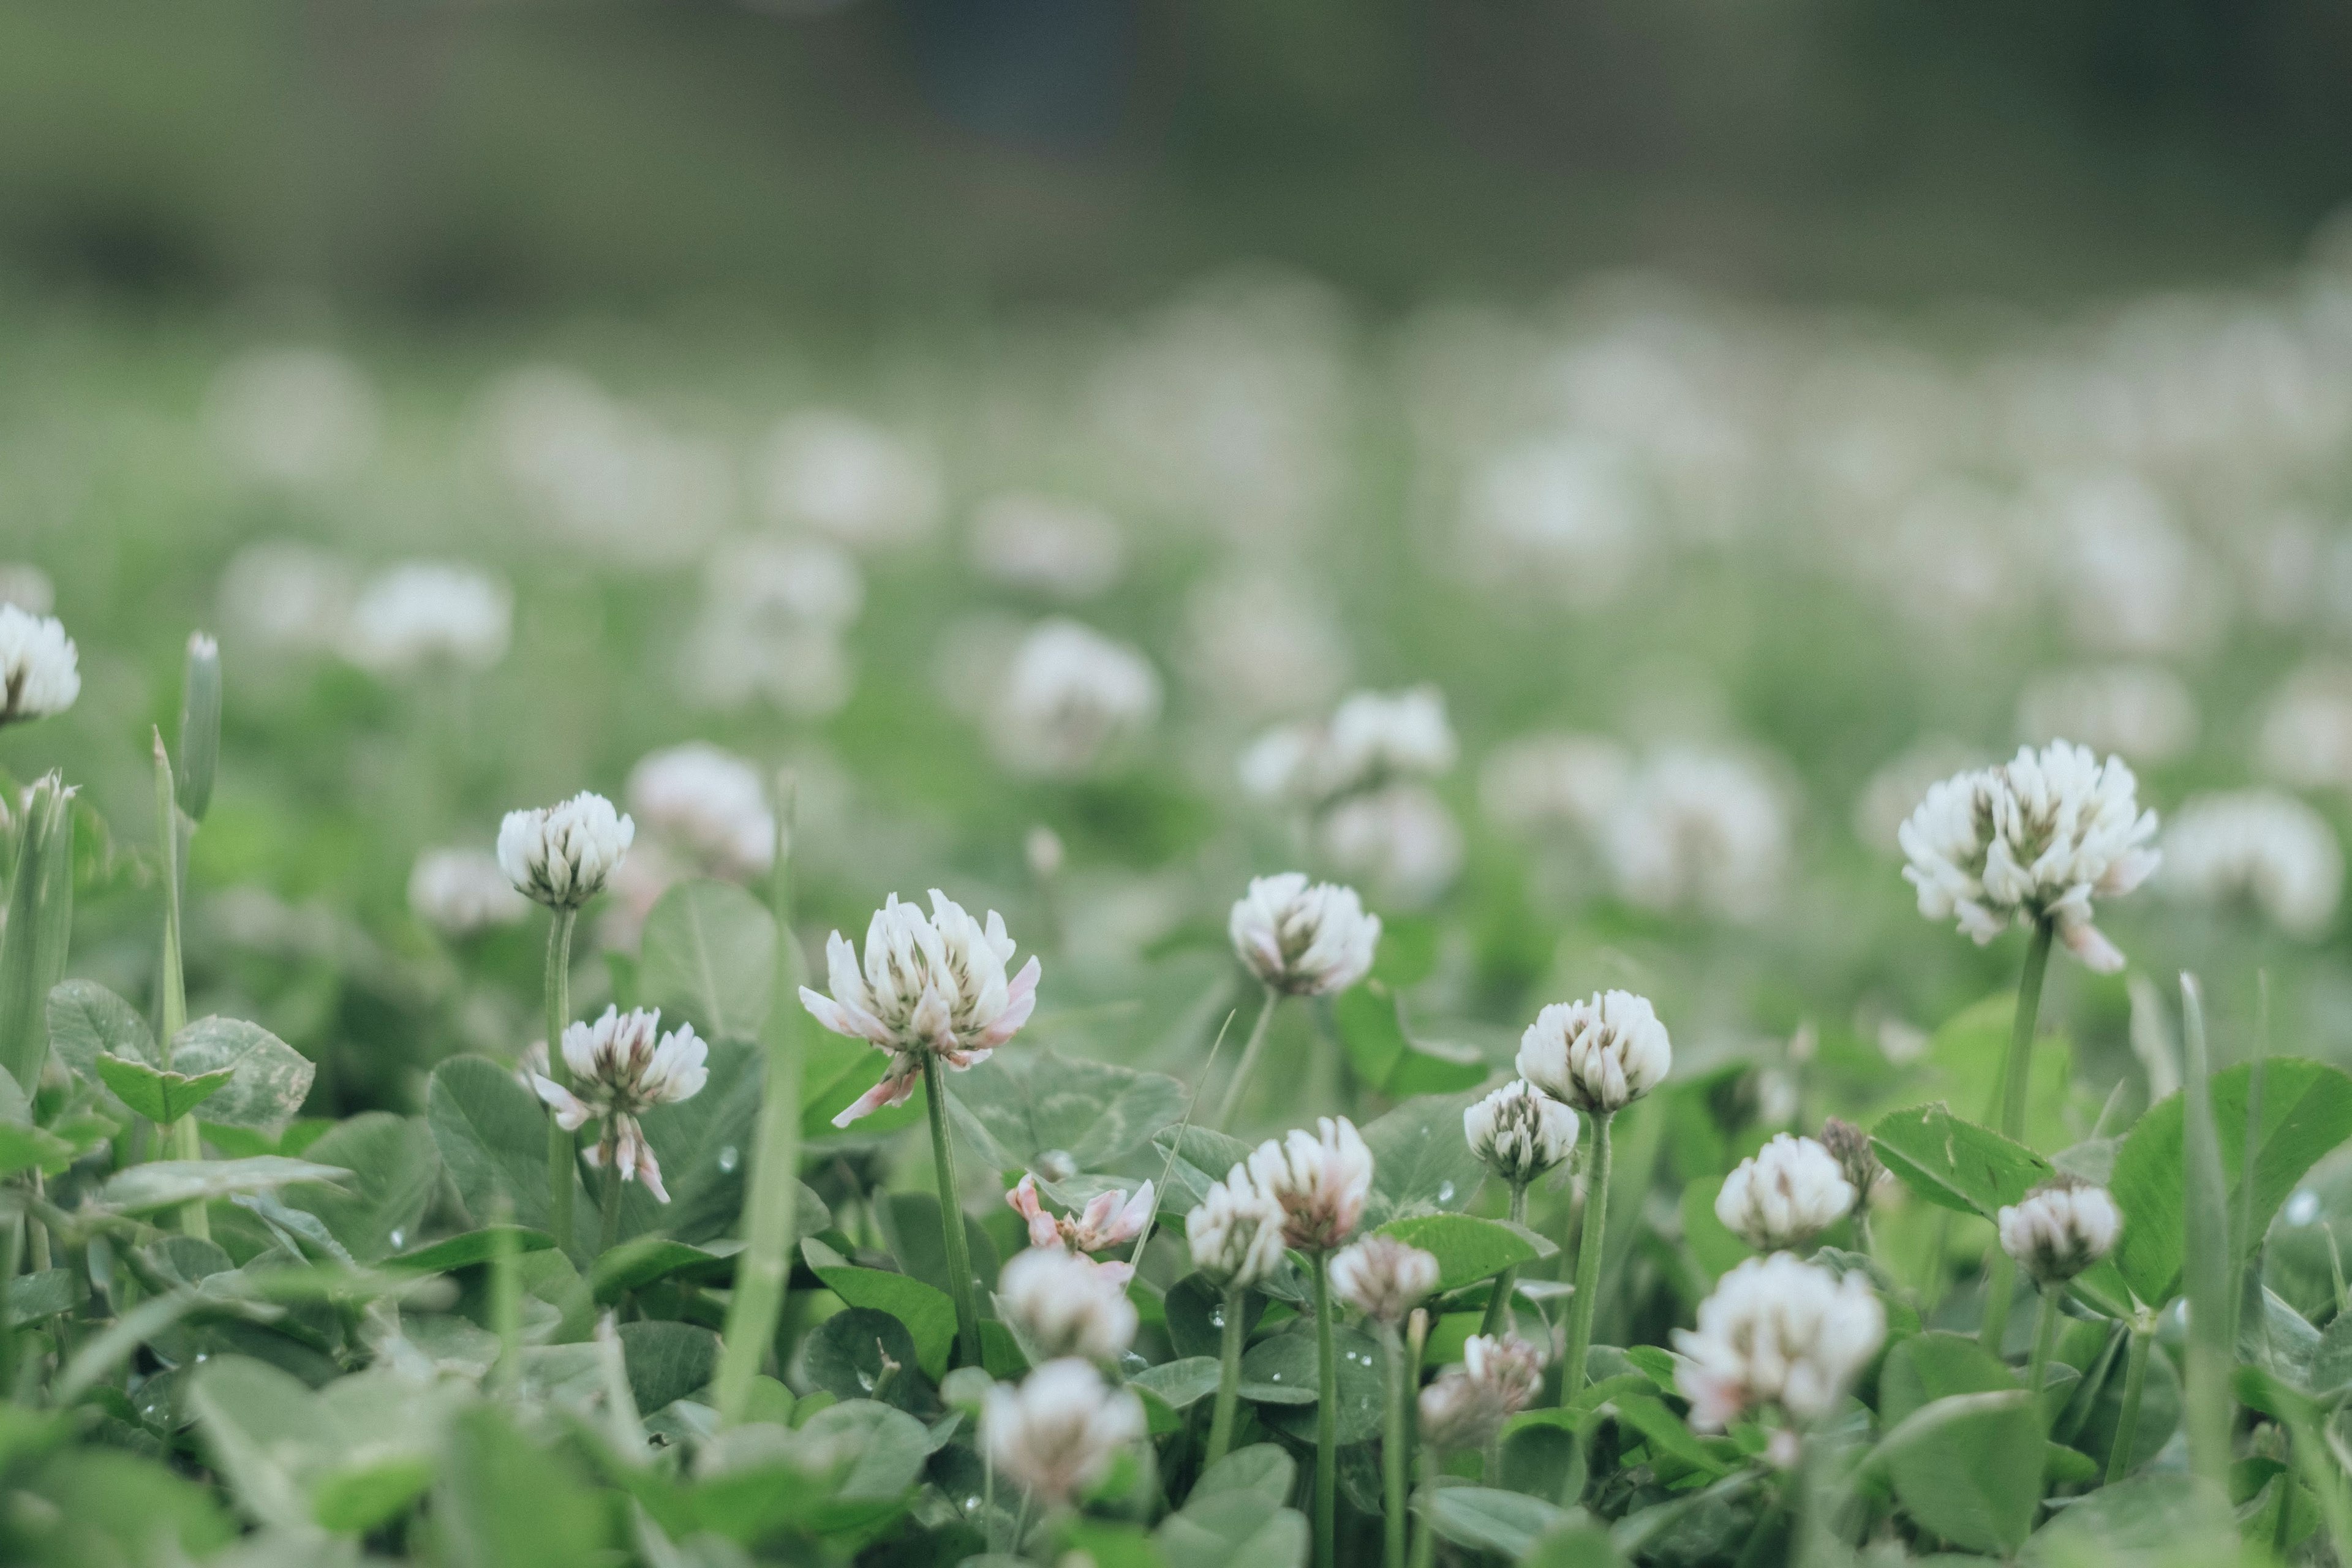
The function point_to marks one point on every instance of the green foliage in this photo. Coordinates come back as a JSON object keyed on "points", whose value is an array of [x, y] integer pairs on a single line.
{"points": [[1969, 1467], [709, 957]]}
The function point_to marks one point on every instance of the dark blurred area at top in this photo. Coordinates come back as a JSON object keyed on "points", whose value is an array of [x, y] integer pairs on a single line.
{"points": [[455, 159]]}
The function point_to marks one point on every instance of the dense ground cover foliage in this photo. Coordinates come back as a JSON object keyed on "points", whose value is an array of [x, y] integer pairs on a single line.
{"points": [[1227, 937]]}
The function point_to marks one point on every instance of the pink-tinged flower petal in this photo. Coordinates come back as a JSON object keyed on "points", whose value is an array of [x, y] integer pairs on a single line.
{"points": [[1138, 1212], [1021, 1001], [856, 1023], [1042, 1231], [2086, 942], [892, 1090], [571, 1114], [1117, 1273], [1096, 1217]]}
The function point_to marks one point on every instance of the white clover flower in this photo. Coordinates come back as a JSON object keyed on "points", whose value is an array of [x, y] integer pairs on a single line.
{"points": [[619, 1071], [563, 855], [1371, 740], [1511, 1366], [2142, 711], [1784, 1195], [1067, 1304], [770, 623], [1466, 1406], [1400, 839], [280, 594], [709, 802], [1113, 1218], [1057, 1433], [2035, 839], [1384, 1279], [1701, 831], [1321, 1183], [1561, 516], [461, 892], [2060, 1228], [1538, 784], [429, 612], [1778, 1332], [1039, 544], [848, 479], [1599, 1054], [294, 415], [932, 986], [1303, 939], [1520, 1131], [40, 671], [1070, 698], [2265, 848], [1236, 1232]]}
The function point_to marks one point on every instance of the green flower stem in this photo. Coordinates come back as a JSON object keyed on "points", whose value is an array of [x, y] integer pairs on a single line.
{"points": [[2045, 1339], [1250, 1053], [2135, 1384], [1587, 1260], [1424, 1540], [1393, 1450], [562, 1153], [2016, 1076], [765, 1270], [609, 1230], [180, 1138], [1327, 1422], [1498, 1305], [935, 1090], [1229, 1378]]}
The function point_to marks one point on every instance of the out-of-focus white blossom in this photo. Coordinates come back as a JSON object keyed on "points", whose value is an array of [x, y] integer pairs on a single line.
{"points": [[1303, 939], [1562, 517], [1520, 1131], [1600, 1055], [2131, 581], [1707, 832], [1070, 698], [427, 613], [1113, 1218], [1545, 783], [1400, 841], [2306, 733], [28, 587], [622, 1067], [1040, 544], [1784, 1195], [605, 475], [770, 625], [40, 671], [461, 892], [933, 985], [1778, 1332], [294, 415], [2258, 846], [848, 479], [2142, 711], [1893, 791], [1321, 1180], [1263, 644], [1372, 738], [1236, 1231], [1464, 1405], [281, 593], [2060, 1228], [1066, 1304], [1043, 850], [1058, 1434], [708, 802], [1382, 1278], [2035, 839], [563, 855]]}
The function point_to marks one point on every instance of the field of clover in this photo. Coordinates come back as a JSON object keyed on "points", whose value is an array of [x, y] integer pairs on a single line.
{"points": [[1641, 932]]}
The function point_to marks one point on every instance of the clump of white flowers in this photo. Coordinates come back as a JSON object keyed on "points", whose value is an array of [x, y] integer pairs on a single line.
{"points": [[849, 479], [2260, 847], [40, 671], [429, 613], [1785, 1193], [1705, 832], [1070, 699], [1303, 939], [1111, 1218], [1600, 1055], [1066, 1304], [1236, 1231], [2036, 838], [1778, 1332], [1059, 1432], [461, 892], [1321, 1180], [561, 856], [933, 985], [2060, 1228], [708, 802], [1401, 840], [1384, 1279], [1520, 1131], [1466, 1406], [622, 1067], [1042, 544], [1373, 739]]}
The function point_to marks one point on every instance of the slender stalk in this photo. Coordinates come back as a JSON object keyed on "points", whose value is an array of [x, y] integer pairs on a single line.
{"points": [[2207, 1276], [608, 1230], [1498, 1305], [2327, 1484], [1394, 1455], [765, 1270], [562, 1153], [1587, 1260], [1424, 1540], [2135, 1384], [1229, 1378], [2045, 1339], [180, 1139], [1250, 1053], [935, 1090], [2016, 1078], [1327, 1422]]}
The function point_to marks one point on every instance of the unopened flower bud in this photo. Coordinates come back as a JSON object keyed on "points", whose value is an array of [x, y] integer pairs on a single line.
{"points": [[1384, 1279], [1789, 1191], [1520, 1131], [1850, 1146], [2060, 1228], [200, 725], [563, 855]]}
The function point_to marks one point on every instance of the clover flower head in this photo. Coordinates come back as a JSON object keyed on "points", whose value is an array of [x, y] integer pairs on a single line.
{"points": [[1599, 1054], [1066, 1304], [1303, 939], [429, 612], [1059, 1432], [563, 855], [2256, 848], [1520, 1131], [1778, 1332], [1070, 699], [1384, 1279], [40, 671], [708, 802], [1467, 1404], [2061, 1228], [622, 1065], [1320, 1179], [1236, 1231], [1785, 1193]]}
